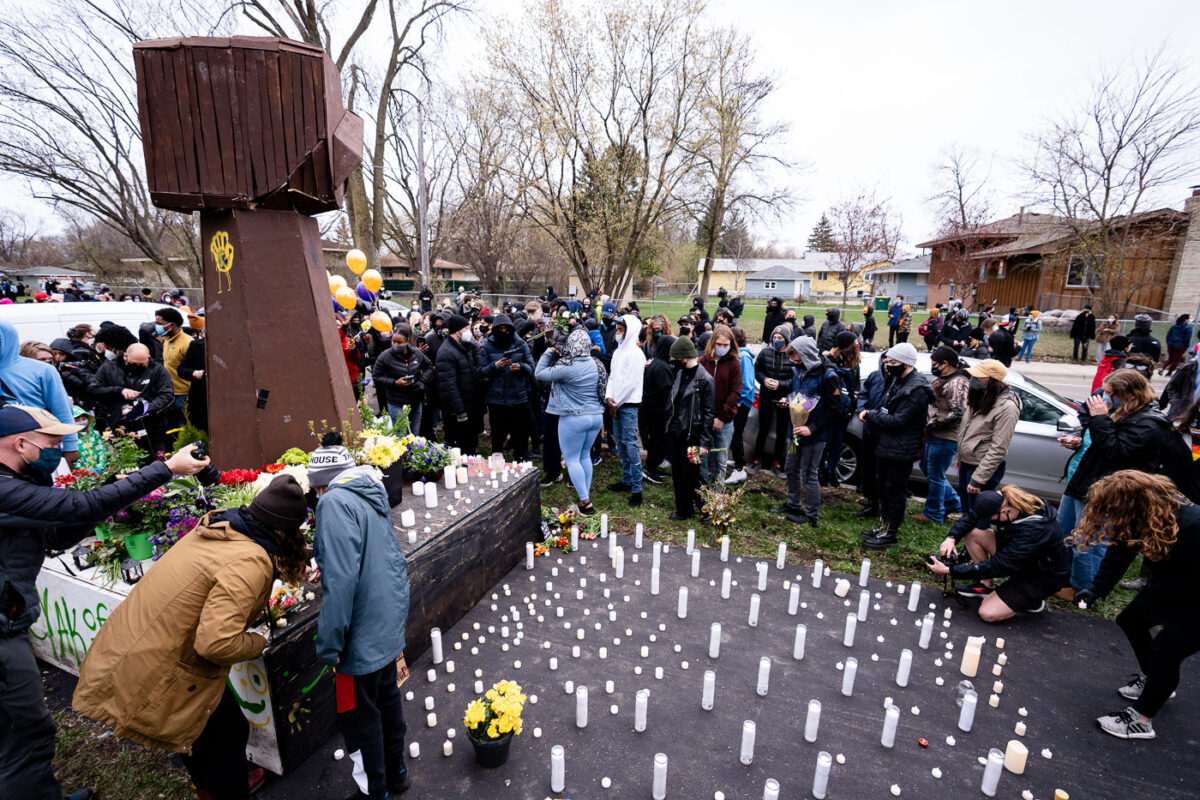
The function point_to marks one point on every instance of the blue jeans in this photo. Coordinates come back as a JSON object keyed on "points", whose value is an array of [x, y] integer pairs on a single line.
{"points": [[414, 415], [1027, 348], [713, 468], [625, 430], [965, 471], [941, 499], [576, 432], [1085, 565]]}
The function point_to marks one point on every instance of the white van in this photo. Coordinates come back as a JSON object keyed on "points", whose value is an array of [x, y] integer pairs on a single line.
{"points": [[45, 322]]}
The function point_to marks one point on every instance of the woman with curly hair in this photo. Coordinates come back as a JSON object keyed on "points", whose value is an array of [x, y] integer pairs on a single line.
{"points": [[1135, 512]]}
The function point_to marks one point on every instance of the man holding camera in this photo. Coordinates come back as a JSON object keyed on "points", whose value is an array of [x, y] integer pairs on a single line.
{"points": [[36, 517], [1025, 546], [506, 366]]}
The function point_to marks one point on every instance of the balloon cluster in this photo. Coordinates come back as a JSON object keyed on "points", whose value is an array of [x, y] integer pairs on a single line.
{"points": [[369, 284]]}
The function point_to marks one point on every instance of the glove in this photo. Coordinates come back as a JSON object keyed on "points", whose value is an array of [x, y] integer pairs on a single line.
{"points": [[462, 417], [1085, 598]]}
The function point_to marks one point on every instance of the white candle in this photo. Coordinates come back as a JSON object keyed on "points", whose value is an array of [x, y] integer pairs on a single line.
{"points": [[997, 669], [994, 700], [603, 526], [794, 599], [999, 642], [408, 518], [558, 768], [529, 555], [419, 488], [851, 627], [970, 660], [451, 477], [991, 773], [447, 748], [771, 789], [781, 557], [414, 750], [574, 538], [612, 548], [456, 455], [695, 563], [926, 631], [1014, 757], [1020, 728], [435, 644], [904, 668], [637, 536], [818, 570], [620, 562], [755, 602], [864, 603], [659, 790], [726, 582], [710, 690], [821, 776], [683, 597], [1002, 659], [431, 495], [581, 709], [841, 587], [747, 755], [431, 720], [848, 673], [864, 572], [656, 555], [714, 640], [914, 595], [691, 541], [764, 676], [798, 644], [966, 716], [641, 702], [891, 719], [813, 721], [762, 576], [460, 476], [412, 536], [654, 579], [553, 664], [725, 548]]}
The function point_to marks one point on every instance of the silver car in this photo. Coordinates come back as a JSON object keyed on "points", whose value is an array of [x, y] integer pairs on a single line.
{"points": [[1035, 459]]}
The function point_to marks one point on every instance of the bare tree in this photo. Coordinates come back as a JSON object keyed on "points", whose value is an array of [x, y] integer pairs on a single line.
{"points": [[1099, 165], [15, 238], [866, 230], [963, 204], [733, 145], [69, 119]]}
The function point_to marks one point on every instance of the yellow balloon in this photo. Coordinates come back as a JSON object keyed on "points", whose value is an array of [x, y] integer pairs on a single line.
{"points": [[336, 282], [381, 322], [372, 280], [356, 260], [346, 298]]}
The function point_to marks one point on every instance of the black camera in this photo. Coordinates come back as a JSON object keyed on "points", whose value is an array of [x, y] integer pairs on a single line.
{"points": [[950, 560], [210, 475]]}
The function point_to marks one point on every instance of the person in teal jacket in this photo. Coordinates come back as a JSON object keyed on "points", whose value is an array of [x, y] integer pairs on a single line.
{"points": [[364, 606]]}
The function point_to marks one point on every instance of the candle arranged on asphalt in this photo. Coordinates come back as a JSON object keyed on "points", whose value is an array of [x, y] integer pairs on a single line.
{"points": [[891, 719], [683, 601], [848, 673], [851, 626], [798, 644], [725, 548], [714, 640], [764, 676], [794, 599], [818, 571], [914, 595], [926, 631], [966, 716], [691, 541], [659, 789], [748, 732], [726, 582], [781, 557], [558, 769], [641, 703], [581, 707], [821, 775], [435, 645], [637, 536], [991, 772], [762, 576], [1015, 756], [905, 666], [754, 606], [529, 555], [813, 721], [710, 689], [864, 603], [864, 572]]}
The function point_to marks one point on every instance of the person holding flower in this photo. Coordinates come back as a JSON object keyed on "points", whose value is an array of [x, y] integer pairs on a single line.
{"points": [[815, 379], [722, 362], [690, 424]]}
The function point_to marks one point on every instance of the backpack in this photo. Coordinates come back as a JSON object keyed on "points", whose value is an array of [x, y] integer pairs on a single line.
{"points": [[923, 329], [845, 398]]}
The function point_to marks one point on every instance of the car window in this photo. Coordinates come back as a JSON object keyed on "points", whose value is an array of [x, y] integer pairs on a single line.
{"points": [[1035, 409]]}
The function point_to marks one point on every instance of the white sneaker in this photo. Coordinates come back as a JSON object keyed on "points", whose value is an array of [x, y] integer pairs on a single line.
{"points": [[737, 476]]}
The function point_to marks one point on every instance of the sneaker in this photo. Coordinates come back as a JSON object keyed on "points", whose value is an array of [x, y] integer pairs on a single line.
{"points": [[635, 499], [596, 461], [881, 540], [779, 472], [976, 589], [548, 482], [737, 476], [923, 518], [752, 469], [1126, 724], [1137, 684], [652, 477], [866, 513], [1134, 584], [798, 517], [677, 517], [619, 486], [784, 509], [1039, 608]]}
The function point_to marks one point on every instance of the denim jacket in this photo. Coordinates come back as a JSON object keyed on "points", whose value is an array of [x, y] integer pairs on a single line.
{"points": [[573, 387]]}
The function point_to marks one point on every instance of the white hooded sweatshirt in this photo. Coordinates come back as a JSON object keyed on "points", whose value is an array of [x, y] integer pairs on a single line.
{"points": [[628, 368]]}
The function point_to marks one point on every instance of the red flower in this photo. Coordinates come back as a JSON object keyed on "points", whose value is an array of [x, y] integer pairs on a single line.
{"points": [[273, 468]]}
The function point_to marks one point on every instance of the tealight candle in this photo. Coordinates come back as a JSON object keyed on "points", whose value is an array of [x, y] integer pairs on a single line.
{"points": [[710, 690], [997, 669], [683, 601], [764, 676], [695, 563], [1015, 756], [581, 707], [435, 644], [891, 719], [813, 721], [798, 645], [864, 572], [998, 687], [714, 640], [1019, 729], [754, 606], [794, 599], [905, 666], [414, 750], [821, 776], [851, 627], [991, 772], [408, 518], [641, 702], [1002, 659], [447, 748], [926, 631], [431, 720], [818, 571], [966, 716], [747, 754], [848, 674], [914, 595], [637, 536], [725, 548], [659, 789], [994, 700], [557, 768], [781, 557], [726, 582], [431, 495]]}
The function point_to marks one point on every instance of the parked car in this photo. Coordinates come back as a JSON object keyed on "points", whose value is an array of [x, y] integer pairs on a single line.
{"points": [[1035, 459], [45, 322]]}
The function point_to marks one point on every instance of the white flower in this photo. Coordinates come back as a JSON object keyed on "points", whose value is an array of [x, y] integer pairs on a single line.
{"points": [[297, 471]]}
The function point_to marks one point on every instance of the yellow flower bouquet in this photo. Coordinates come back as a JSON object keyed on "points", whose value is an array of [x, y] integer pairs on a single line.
{"points": [[492, 721]]}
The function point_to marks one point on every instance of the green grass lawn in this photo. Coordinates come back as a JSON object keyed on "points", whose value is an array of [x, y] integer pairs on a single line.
{"points": [[87, 755]]}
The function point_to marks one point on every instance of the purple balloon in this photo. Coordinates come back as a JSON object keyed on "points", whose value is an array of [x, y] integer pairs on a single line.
{"points": [[365, 294]]}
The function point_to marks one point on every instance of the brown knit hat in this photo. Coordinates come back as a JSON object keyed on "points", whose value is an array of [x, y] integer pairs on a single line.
{"points": [[281, 505]]}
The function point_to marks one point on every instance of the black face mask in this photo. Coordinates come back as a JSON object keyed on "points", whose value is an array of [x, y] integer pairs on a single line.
{"points": [[895, 370], [978, 384], [503, 338]]}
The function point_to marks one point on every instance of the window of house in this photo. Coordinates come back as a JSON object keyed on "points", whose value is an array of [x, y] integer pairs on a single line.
{"points": [[983, 270], [768, 284], [822, 276], [922, 280], [1001, 269], [1081, 272]]}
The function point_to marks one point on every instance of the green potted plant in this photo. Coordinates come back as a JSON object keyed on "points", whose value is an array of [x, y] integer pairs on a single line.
{"points": [[492, 721]]}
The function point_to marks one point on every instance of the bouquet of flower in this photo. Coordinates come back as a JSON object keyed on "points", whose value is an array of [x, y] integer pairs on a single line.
{"points": [[124, 454], [497, 714], [235, 476], [381, 451], [264, 479], [721, 506], [286, 598], [564, 322], [800, 406], [693, 453], [423, 456], [273, 469], [294, 457]]}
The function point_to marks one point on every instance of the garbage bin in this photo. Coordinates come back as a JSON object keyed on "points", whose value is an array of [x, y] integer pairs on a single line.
{"points": [[881, 303]]}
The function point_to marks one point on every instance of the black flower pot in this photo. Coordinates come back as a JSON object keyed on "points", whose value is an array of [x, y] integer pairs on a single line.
{"points": [[492, 753], [393, 484]]}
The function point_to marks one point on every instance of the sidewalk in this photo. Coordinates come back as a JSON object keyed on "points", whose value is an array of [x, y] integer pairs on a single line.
{"points": [[1071, 380]]}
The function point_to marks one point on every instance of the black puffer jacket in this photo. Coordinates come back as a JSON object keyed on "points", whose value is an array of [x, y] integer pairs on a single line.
{"points": [[656, 388], [1178, 395], [1030, 546], [955, 334], [113, 376], [773, 319], [772, 363], [691, 414], [459, 389], [1134, 442], [1142, 340], [901, 421], [832, 326], [402, 362]]}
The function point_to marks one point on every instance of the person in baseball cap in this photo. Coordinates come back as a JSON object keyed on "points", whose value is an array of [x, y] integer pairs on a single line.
{"points": [[988, 368]]}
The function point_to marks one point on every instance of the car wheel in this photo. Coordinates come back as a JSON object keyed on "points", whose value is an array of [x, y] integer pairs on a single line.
{"points": [[848, 466]]}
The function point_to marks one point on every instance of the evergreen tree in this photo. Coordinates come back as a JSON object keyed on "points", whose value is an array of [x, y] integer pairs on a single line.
{"points": [[822, 240]]}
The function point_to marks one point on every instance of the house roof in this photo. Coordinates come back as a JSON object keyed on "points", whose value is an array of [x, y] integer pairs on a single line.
{"points": [[1026, 222], [918, 265], [807, 262], [779, 272], [44, 272]]}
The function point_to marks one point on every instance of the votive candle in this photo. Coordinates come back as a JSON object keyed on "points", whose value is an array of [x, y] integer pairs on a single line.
{"points": [[755, 602], [926, 631], [695, 563], [821, 776], [762, 576], [557, 768], [435, 644], [683, 600], [710, 690], [848, 673], [771, 789], [714, 640], [966, 716], [764, 676], [637, 536], [818, 570], [725, 548], [659, 790], [891, 719], [813, 721], [914, 595], [691, 541], [991, 772], [798, 644], [726, 582], [864, 603], [640, 705], [781, 556], [748, 732], [864, 572], [851, 627], [904, 668], [581, 707], [656, 555], [529, 555], [654, 578], [794, 599]]}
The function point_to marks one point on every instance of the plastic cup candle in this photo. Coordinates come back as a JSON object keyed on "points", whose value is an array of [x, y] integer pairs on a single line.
{"points": [[691, 541], [726, 583], [813, 721], [714, 640], [695, 563], [914, 595], [762, 576], [654, 579], [904, 668], [710, 690], [864, 603], [851, 626], [864, 572], [408, 518], [637, 536], [818, 570], [747, 754], [764, 676], [460, 476], [558, 768], [431, 495], [529, 555], [891, 719], [581, 707], [659, 789], [970, 659], [848, 673], [821, 776], [724, 548], [419, 488], [991, 772], [755, 602], [966, 716], [641, 702], [771, 789], [926, 631], [794, 599], [435, 644], [683, 600], [842, 587], [1015, 756], [781, 556], [451, 477]]}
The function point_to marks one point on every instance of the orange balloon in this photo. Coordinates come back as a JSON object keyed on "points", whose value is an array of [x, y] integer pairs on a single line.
{"points": [[381, 322], [372, 280], [346, 298], [336, 282], [356, 260]]}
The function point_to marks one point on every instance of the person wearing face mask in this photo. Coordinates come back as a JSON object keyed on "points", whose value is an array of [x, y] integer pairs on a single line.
{"points": [[459, 389], [401, 375], [193, 369], [773, 369], [690, 409], [901, 424], [993, 410], [950, 388], [505, 364], [31, 442], [737, 450], [869, 329], [700, 311], [830, 329], [721, 361], [1009, 534], [577, 381], [1033, 329], [844, 357], [35, 383], [895, 312], [773, 319], [653, 417], [135, 392], [814, 376], [168, 326], [1105, 332], [623, 396], [809, 328]]}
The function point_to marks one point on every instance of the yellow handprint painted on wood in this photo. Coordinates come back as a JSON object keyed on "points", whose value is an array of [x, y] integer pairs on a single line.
{"points": [[222, 253]]}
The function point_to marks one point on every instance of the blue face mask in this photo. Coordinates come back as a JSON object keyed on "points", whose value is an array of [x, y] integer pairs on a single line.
{"points": [[620, 337], [777, 344], [721, 351], [43, 466], [159, 330], [1113, 402]]}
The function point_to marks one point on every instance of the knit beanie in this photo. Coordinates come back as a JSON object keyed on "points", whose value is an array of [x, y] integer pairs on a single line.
{"points": [[845, 340], [905, 353], [1119, 342], [946, 355], [281, 505], [683, 348], [456, 323], [326, 463]]}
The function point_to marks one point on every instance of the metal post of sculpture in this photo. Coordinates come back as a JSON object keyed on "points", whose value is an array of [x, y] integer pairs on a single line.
{"points": [[251, 132]]}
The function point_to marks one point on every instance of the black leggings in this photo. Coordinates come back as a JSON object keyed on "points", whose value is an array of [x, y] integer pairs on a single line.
{"points": [[218, 758], [891, 483], [1159, 657], [770, 414]]}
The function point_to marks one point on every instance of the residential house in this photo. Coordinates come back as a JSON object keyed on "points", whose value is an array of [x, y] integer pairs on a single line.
{"points": [[733, 273], [779, 281], [908, 277], [398, 273]]}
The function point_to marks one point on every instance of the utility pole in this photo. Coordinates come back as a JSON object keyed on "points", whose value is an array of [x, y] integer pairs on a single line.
{"points": [[422, 202]]}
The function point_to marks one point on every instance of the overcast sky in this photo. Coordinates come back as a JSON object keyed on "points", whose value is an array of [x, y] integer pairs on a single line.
{"points": [[874, 89]]}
